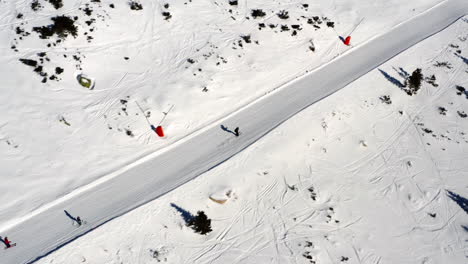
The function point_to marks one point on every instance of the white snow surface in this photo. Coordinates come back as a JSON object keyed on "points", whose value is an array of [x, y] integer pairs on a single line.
{"points": [[378, 179], [162, 171], [43, 159]]}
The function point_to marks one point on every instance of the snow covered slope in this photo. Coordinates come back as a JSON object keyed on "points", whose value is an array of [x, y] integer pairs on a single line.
{"points": [[164, 171], [58, 136], [359, 177]]}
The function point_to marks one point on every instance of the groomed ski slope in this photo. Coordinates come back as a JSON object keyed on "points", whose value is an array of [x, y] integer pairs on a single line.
{"points": [[162, 172]]}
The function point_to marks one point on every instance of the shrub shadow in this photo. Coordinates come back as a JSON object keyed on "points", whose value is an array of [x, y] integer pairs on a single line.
{"points": [[392, 79], [403, 74], [465, 60], [461, 201]]}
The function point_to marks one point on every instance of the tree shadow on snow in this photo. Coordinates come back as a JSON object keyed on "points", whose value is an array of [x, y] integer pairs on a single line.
{"points": [[403, 74], [186, 215], [465, 60], [392, 79], [461, 201]]}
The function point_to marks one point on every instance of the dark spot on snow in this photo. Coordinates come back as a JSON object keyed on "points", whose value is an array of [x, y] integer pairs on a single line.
{"points": [[427, 130], [88, 11], [298, 27], [56, 3], [135, 5], [20, 31], [256, 13], [444, 64], [246, 38], [29, 62], [283, 14], [166, 15], [313, 194], [461, 90], [35, 5], [129, 133], [62, 27], [442, 110], [385, 99]]}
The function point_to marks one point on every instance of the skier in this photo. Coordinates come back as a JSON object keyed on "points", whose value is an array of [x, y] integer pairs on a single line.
{"points": [[7, 242], [78, 220], [236, 131]]}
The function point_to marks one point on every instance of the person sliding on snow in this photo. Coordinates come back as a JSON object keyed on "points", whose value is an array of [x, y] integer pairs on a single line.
{"points": [[7, 242], [236, 131], [78, 220]]}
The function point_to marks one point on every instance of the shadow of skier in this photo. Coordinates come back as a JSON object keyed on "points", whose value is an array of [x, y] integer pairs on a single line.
{"points": [[3, 241], [235, 132], [77, 219]]}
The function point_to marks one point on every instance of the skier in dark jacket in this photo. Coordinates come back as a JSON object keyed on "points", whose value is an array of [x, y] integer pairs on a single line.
{"points": [[78, 220], [236, 131]]}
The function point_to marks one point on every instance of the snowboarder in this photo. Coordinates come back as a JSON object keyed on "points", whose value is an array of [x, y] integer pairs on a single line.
{"points": [[78, 220], [236, 131]]}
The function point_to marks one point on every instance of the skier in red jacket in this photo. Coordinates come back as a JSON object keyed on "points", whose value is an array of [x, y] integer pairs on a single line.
{"points": [[7, 242]]}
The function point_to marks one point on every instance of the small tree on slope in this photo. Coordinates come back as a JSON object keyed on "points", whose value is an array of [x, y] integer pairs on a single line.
{"points": [[414, 80], [200, 223]]}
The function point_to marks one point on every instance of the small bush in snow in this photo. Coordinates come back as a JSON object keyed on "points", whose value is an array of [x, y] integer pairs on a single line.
{"points": [[386, 99], [166, 15], [135, 5], [415, 79], [200, 223], [283, 14], [246, 38], [257, 13], [431, 80], [414, 82], [442, 110]]}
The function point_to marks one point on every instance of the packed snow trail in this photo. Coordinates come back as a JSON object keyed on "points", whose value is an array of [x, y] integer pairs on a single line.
{"points": [[142, 182]]}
